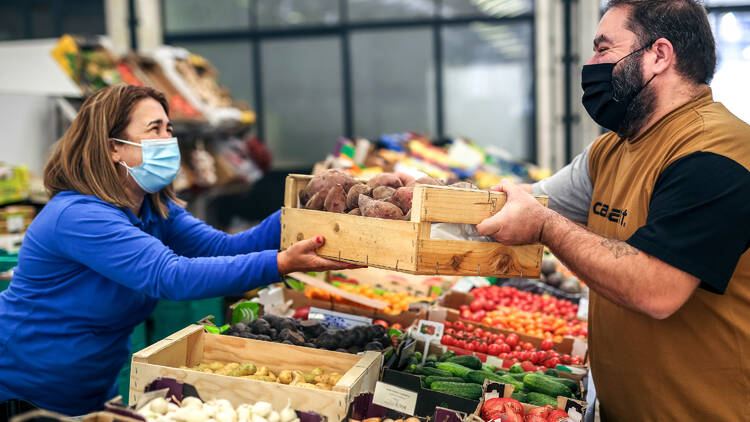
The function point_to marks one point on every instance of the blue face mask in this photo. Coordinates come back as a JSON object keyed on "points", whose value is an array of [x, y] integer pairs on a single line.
{"points": [[161, 161]]}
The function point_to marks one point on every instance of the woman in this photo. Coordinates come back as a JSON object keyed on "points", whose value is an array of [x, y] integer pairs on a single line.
{"points": [[113, 240]]}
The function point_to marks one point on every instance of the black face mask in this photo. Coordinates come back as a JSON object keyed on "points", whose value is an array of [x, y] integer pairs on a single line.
{"points": [[598, 98]]}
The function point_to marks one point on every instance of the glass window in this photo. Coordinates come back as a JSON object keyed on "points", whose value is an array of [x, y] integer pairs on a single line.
{"points": [[84, 17], [730, 84], [368, 10], [42, 20], [487, 79], [11, 21], [393, 82], [494, 8], [302, 99], [283, 13], [234, 62], [202, 15]]}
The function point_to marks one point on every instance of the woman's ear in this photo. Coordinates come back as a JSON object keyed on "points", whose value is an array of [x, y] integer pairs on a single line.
{"points": [[113, 151]]}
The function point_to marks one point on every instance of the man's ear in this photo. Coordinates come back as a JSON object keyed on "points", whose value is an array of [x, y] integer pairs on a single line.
{"points": [[662, 56]]}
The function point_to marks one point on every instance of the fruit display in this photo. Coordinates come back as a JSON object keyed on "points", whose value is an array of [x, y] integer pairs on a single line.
{"points": [[507, 347], [317, 378], [528, 313], [385, 195], [311, 333], [398, 302], [509, 409], [192, 409], [412, 419]]}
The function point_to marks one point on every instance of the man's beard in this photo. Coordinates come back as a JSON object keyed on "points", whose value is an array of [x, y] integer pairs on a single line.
{"points": [[627, 83]]}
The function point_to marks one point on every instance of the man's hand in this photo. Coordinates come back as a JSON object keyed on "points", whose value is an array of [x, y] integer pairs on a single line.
{"points": [[302, 257], [519, 222]]}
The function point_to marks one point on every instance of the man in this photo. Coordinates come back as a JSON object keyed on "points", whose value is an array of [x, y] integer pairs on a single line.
{"points": [[665, 200]]}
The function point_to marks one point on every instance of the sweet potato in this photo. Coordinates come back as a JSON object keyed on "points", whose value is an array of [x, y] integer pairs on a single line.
{"points": [[385, 179], [355, 211], [379, 209], [316, 202], [324, 182], [335, 200], [402, 198], [383, 192], [464, 185], [427, 180], [352, 197]]}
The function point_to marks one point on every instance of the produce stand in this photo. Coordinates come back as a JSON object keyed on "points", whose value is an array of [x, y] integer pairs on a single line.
{"points": [[193, 345]]}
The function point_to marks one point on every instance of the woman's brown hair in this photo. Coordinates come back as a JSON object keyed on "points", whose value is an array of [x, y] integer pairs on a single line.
{"points": [[82, 161]]}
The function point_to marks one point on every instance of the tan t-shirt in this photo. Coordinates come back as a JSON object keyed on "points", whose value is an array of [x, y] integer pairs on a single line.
{"points": [[694, 365]]}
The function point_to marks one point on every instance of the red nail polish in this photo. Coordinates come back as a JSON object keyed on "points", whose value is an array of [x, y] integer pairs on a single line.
{"points": [[319, 239]]}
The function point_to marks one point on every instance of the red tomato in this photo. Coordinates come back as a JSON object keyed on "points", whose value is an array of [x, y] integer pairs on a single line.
{"points": [[551, 362], [381, 322], [518, 348], [472, 346], [512, 340], [528, 366], [547, 344], [503, 355], [534, 358], [476, 305], [458, 325], [494, 349], [504, 348], [446, 340], [482, 348], [490, 306], [464, 308], [450, 331], [525, 355], [447, 324], [479, 332], [528, 346], [501, 336], [469, 327], [466, 314], [565, 359]]}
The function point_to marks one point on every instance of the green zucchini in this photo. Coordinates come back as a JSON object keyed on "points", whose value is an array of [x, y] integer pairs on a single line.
{"points": [[447, 355], [468, 361], [454, 369], [543, 384], [466, 390], [539, 399], [430, 379]]}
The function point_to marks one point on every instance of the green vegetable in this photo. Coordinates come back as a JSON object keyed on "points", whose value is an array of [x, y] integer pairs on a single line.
{"points": [[414, 360], [517, 377], [429, 363], [411, 368], [418, 355], [501, 372], [519, 395], [454, 369], [507, 379], [551, 372], [478, 377], [467, 390], [430, 379], [432, 358], [468, 361], [447, 355], [489, 368], [516, 369], [538, 399], [543, 384], [435, 372]]}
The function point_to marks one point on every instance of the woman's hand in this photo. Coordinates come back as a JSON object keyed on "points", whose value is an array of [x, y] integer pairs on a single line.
{"points": [[302, 257]]}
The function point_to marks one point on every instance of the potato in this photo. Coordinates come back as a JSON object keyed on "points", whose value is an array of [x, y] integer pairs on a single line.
{"points": [[427, 180], [316, 202], [402, 198], [355, 211], [335, 200], [323, 182], [464, 185], [385, 179], [285, 377], [383, 192], [379, 209], [324, 386], [216, 366], [262, 371], [352, 196]]}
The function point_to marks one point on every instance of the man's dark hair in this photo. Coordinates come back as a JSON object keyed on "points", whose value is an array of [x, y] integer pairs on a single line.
{"points": [[684, 23]]}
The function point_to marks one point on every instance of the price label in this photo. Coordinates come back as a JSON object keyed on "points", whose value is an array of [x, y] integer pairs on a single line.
{"points": [[575, 409], [583, 308], [395, 398], [429, 331], [494, 361], [340, 320]]}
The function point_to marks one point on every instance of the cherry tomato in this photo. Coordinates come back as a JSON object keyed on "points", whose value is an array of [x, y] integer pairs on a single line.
{"points": [[512, 340], [503, 356], [504, 348], [494, 349], [528, 346], [547, 344], [469, 327], [551, 362], [534, 358], [482, 348], [458, 325]]}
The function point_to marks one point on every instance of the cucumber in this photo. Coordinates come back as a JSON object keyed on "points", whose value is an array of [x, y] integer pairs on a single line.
{"points": [[574, 387], [418, 355], [432, 358], [506, 379], [435, 372], [501, 372], [468, 361], [430, 379], [489, 368], [466, 390], [517, 377], [519, 395], [543, 384], [516, 369], [539, 399], [429, 363], [552, 373], [478, 377], [454, 368], [447, 355]]}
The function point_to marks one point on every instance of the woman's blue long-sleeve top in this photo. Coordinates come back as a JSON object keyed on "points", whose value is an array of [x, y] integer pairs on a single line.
{"points": [[88, 272]]}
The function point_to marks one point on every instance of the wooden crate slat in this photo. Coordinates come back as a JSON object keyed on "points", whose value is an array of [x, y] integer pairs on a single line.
{"points": [[173, 350], [368, 241], [363, 376], [440, 204], [489, 259]]}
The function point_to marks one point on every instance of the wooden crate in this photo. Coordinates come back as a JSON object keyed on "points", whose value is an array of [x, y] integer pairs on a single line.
{"points": [[193, 345], [406, 246]]}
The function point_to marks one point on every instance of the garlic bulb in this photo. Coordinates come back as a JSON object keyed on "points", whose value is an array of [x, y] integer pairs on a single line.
{"points": [[191, 401], [190, 414], [257, 418], [262, 409], [274, 417], [158, 405], [287, 414], [244, 412]]}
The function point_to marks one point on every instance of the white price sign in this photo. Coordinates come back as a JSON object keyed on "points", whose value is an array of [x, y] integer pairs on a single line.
{"points": [[395, 398]]}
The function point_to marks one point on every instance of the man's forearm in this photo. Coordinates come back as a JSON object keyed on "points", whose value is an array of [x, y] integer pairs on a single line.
{"points": [[616, 270]]}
